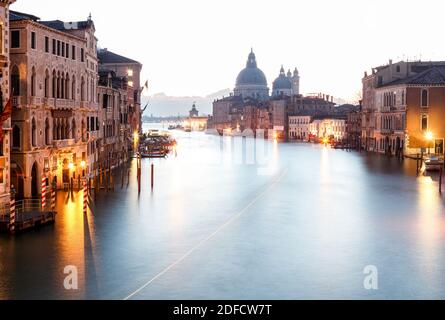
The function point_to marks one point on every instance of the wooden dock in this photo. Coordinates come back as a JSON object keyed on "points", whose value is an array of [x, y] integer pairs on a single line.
{"points": [[28, 221]]}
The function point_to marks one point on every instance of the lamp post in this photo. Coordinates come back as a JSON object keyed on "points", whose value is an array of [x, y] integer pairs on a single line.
{"points": [[429, 137]]}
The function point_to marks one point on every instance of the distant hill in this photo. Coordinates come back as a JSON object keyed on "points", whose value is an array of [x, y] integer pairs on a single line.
{"points": [[162, 105]]}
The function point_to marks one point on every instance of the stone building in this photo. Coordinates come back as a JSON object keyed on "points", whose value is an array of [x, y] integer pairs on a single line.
{"points": [[299, 127], [115, 132], [383, 108], [5, 164], [354, 128], [54, 82], [130, 69], [331, 128]]}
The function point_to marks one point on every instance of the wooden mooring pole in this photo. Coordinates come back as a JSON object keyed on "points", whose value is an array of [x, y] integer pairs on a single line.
{"points": [[152, 176], [440, 180]]}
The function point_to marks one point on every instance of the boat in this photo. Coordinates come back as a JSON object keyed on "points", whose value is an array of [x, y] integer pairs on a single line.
{"points": [[156, 144], [433, 164]]}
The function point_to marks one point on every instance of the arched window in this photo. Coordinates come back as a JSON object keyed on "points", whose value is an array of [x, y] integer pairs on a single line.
{"points": [[73, 88], [54, 84], [62, 86], [33, 82], [46, 84], [73, 130], [424, 98], [67, 86], [15, 81], [34, 133], [82, 89], [67, 129], [58, 85], [83, 130], [47, 129], [16, 137]]}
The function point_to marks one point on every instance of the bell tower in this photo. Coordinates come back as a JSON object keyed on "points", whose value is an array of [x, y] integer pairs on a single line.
{"points": [[296, 82]]}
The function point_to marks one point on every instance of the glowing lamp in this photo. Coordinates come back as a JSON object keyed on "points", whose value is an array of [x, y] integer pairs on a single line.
{"points": [[429, 136]]}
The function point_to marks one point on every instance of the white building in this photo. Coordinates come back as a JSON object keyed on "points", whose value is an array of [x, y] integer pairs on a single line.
{"points": [[329, 128], [299, 127]]}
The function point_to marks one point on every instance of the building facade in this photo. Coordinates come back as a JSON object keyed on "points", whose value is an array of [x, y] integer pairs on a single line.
{"points": [[5, 154], [333, 129], [385, 110], [299, 127], [54, 84], [131, 70]]}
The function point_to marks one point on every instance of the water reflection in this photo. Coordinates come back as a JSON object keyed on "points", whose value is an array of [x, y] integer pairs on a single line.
{"points": [[307, 235]]}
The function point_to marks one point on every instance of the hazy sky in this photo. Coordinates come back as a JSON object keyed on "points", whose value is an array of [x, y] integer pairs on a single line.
{"points": [[197, 47]]}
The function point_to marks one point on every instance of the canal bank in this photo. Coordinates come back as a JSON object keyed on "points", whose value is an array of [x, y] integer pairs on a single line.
{"points": [[301, 223]]}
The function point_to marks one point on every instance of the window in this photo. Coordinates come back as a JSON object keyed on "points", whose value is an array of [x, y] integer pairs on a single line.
{"points": [[33, 82], [424, 123], [62, 45], [105, 101], [15, 39], [33, 40], [47, 141], [1, 38], [92, 124], [58, 47], [34, 133], [73, 52], [88, 124], [82, 55], [15, 81], [398, 69], [54, 46], [46, 44], [424, 102], [67, 50], [16, 137]]}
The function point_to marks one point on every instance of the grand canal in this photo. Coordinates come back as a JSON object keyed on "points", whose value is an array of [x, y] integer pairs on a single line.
{"points": [[302, 222]]}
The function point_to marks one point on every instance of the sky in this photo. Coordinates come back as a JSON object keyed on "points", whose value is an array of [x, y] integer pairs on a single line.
{"points": [[197, 47]]}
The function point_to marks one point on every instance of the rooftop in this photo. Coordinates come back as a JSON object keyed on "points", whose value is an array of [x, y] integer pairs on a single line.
{"points": [[106, 56]]}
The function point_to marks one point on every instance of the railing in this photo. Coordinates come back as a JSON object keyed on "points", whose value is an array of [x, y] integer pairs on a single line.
{"points": [[24, 206], [64, 143]]}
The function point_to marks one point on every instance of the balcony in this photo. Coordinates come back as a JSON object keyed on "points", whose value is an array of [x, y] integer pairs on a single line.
{"points": [[64, 143]]}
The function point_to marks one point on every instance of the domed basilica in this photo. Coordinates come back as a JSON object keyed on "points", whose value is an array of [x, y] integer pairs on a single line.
{"points": [[252, 83]]}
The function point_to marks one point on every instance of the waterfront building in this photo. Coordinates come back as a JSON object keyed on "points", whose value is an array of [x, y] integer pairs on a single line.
{"points": [[354, 128], [299, 127], [5, 160], [130, 69], [115, 135], [330, 128], [383, 111], [54, 83], [313, 105], [195, 122]]}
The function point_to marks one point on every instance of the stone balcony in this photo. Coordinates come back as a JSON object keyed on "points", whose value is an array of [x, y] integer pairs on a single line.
{"points": [[64, 143]]}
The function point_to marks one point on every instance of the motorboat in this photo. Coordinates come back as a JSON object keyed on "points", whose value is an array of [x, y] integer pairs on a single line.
{"points": [[433, 164]]}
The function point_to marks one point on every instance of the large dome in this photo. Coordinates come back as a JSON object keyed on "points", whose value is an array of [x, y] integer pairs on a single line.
{"points": [[251, 75]]}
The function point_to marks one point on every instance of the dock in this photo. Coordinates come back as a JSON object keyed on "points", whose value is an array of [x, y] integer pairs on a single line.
{"points": [[29, 216]]}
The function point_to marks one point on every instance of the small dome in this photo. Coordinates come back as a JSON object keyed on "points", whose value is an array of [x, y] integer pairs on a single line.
{"points": [[282, 82]]}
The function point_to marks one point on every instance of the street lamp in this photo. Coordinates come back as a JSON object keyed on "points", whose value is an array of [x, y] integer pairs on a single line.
{"points": [[429, 137]]}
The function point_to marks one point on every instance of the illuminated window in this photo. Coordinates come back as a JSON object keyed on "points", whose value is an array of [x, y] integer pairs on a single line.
{"points": [[130, 72], [130, 83]]}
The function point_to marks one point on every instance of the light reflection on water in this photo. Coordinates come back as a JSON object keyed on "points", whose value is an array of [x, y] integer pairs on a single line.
{"points": [[323, 215]]}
